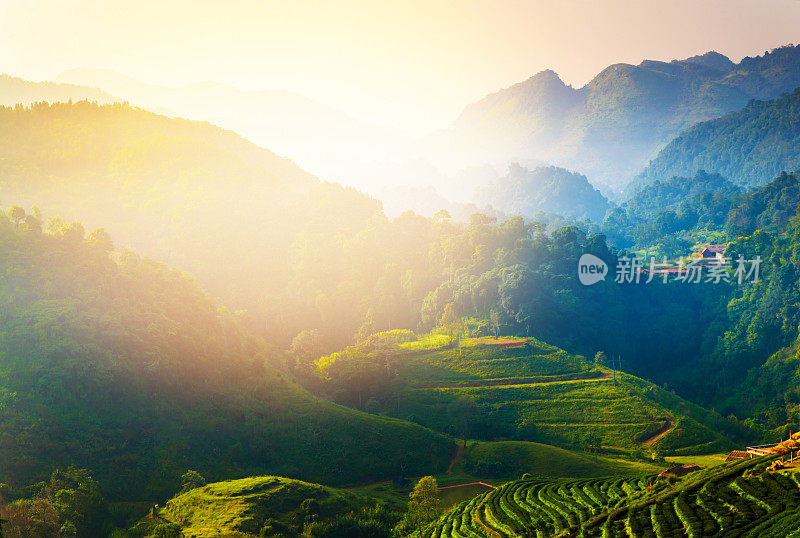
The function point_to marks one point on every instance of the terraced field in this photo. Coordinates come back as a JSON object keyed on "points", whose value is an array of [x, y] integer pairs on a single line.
{"points": [[733, 500], [524, 390], [482, 359], [537, 392], [532, 507]]}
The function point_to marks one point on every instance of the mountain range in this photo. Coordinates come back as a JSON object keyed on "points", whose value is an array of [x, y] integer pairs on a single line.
{"points": [[610, 128]]}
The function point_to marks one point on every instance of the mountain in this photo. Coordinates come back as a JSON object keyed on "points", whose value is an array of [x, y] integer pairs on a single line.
{"points": [[15, 91], [749, 147], [544, 190], [187, 193], [612, 126], [115, 363], [317, 136]]}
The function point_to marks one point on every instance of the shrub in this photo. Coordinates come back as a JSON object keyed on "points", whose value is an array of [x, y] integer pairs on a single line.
{"points": [[167, 530]]}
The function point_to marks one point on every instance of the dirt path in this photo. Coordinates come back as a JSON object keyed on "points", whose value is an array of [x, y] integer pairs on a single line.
{"points": [[459, 452], [664, 431], [518, 381], [469, 484]]}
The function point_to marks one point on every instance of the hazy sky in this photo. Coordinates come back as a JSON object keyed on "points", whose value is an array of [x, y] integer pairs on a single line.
{"points": [[411, 63]]}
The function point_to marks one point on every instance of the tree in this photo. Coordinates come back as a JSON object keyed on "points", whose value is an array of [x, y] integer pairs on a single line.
{"points": [[167, 530], [68, 529], [494, 320], [306, 348], [367, 328], [600, 358], [442, 216], [16, 214], [35, 517], [191, 480], [451, 323], [592, 443], [101, 239], [424, 504], [77, 498]]}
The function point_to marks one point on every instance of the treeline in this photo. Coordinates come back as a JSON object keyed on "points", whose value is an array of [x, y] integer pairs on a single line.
{"points": [[68, 503], [668, 217]]}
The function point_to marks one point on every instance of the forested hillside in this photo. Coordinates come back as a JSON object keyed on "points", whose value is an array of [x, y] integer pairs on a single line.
{"points": [[191, 194], [544, 190], [612, 126], [299, 255], [748, 147], [116, 363]]}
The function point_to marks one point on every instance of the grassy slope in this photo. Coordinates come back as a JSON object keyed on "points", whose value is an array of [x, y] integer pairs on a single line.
{"points": [[515, 458], [243, 506], [541, 403]]}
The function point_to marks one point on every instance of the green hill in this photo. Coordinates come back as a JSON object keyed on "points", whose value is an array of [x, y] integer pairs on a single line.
{"points": [[278, 507], [736, 499], [767, 208], [117, 364], [517, 388], [544, 190], [749, 147]]}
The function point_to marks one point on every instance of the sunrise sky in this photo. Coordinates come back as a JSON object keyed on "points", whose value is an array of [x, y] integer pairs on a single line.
{"points": [[410, 64]]}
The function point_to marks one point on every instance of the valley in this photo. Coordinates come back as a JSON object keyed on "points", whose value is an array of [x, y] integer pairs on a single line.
{"points": [[221, 316]]}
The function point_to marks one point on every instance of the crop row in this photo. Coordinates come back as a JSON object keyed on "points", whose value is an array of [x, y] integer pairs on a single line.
{"points": [[533, 507], [733, 500]]}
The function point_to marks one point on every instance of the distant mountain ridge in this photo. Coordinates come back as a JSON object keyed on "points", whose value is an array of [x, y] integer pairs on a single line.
{"points": [[749, 147], [14, 90], [319, 137], [612, 126]]}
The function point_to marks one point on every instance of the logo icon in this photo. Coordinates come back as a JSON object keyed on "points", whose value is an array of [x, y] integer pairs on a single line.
{"points": [[591, 269]]}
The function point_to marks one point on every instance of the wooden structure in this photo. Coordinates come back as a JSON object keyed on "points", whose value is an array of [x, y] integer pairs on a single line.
{"points": [[680, 470]]}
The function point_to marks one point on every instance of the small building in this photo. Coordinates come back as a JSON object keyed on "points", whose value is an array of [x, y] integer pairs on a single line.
{"points": [[680, 470], [712, 251], [762, 450], [738, 455]]}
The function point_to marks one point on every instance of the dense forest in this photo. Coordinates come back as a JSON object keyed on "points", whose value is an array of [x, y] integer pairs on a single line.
{"points": [[748, 147]]}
